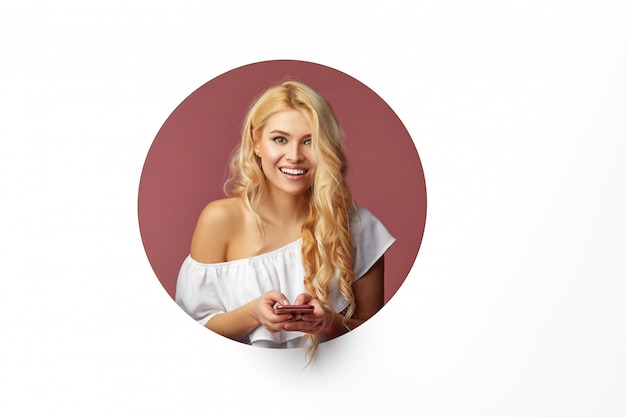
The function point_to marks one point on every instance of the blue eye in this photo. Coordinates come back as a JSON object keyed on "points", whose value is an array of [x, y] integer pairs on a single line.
{"points": [[280, 139], [308, 142]]}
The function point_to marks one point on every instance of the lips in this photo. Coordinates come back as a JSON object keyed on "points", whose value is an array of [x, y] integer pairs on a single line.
{"points": [[293, 171]]}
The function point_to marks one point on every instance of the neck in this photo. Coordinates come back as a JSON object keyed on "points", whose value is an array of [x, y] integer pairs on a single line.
{"points": [[284, 209]]}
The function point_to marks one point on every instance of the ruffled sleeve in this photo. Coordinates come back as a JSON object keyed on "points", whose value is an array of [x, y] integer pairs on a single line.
{"points": [[371, 241], [197, 292]]}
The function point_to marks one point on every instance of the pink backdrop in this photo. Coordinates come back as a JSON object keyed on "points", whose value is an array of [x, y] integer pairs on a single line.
{"points": [[187, 162]]}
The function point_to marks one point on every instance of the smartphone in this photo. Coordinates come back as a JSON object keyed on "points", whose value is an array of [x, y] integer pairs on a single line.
{"points": [[284, 309]]}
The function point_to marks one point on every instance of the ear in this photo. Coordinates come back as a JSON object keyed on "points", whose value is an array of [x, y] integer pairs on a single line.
{"points": [[256, 143]]}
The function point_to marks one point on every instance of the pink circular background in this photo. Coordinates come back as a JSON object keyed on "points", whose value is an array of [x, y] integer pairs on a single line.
{"points": [[187, 163]]}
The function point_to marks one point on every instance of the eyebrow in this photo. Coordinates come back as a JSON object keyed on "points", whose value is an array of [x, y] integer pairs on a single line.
{"points": [[282, 132]]}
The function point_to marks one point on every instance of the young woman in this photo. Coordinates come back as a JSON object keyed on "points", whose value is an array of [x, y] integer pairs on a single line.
{"points": [[289, 234]]}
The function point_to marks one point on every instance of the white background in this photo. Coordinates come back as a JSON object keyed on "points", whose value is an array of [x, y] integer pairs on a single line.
{"points": [[515, 306]]}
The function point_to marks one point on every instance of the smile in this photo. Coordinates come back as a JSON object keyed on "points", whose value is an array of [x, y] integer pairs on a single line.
{"points": [[293, 171]]}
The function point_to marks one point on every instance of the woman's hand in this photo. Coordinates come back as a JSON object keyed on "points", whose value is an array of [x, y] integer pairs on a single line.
{"points": [[309, 323], [265, 314]]}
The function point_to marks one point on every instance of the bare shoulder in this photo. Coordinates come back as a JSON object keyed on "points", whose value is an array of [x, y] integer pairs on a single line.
{"points": [[216, 226], [227, 210]]}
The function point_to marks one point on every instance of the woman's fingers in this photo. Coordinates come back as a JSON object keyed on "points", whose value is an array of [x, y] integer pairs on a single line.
{"points": [[307, 323], [267, 317], [274, 297], [303, 326], [304, 299]]}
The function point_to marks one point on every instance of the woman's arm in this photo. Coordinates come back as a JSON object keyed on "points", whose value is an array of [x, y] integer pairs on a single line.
{"points": [[238, 323], [368, 297]]}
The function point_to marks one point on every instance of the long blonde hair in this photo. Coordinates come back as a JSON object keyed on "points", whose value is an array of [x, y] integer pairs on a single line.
{"points": [[326, 236]]}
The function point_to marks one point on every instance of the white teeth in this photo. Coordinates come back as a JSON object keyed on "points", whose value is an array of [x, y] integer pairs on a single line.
{"points": [[291, 171]]}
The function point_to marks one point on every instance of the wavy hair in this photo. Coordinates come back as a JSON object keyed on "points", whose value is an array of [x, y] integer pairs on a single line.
{"points": [[326, 236]]}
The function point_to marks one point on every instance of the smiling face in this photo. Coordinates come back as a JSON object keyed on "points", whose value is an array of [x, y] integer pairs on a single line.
{"points": [[286, 153]]}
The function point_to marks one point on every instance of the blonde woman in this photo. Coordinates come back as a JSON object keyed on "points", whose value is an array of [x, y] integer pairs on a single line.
{"points": [[290, 233]]}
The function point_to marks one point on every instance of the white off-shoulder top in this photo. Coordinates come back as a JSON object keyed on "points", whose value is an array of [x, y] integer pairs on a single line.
{"points": [[205, 290]]}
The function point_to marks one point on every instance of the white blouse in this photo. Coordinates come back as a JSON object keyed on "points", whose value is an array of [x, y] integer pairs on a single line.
{"points": [[204, 290]]}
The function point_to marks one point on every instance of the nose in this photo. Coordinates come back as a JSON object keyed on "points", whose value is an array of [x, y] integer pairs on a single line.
{"points": [[294, 153]]}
